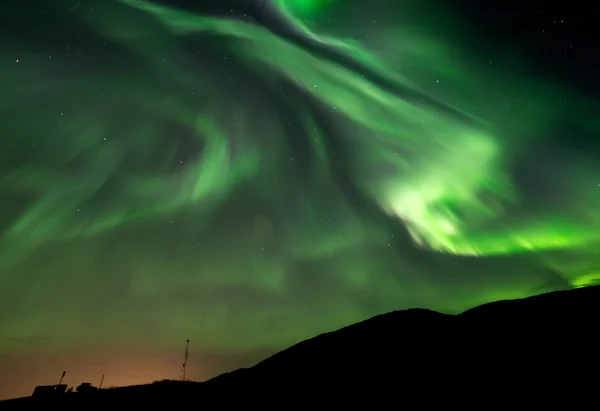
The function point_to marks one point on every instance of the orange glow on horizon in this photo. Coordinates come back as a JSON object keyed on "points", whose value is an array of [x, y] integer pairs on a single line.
{"points": [[19, 376]]}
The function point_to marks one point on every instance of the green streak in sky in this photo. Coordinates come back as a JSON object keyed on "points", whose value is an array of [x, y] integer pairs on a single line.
{"points": [[452, 179], [304, 7], [197, 171]]}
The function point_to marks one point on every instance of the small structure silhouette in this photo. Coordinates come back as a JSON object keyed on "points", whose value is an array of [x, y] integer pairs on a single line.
{"points": [[49, 390], [86, 387]]}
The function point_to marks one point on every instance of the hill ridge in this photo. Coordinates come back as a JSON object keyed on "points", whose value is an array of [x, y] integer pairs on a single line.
{"points": [[500, 346]]}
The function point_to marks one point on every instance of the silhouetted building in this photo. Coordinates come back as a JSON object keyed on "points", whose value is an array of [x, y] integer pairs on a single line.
{"points": [[49, 390], [86, 387]]}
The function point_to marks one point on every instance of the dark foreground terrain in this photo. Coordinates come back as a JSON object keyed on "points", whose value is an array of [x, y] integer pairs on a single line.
{"points": [[542, 346]]}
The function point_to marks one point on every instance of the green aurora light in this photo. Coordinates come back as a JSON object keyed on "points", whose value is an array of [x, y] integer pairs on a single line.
{"points": [[250, 186]]}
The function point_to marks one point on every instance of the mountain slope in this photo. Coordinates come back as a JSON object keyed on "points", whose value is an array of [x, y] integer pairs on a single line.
{"points": [[539, 338], [502, 348]]}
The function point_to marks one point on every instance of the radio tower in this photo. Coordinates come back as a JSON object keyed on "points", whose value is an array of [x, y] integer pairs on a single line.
{"points": [[187, 354]]}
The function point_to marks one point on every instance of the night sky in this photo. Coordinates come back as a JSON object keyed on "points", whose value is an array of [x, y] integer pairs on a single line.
{"points": [[253, 173]]}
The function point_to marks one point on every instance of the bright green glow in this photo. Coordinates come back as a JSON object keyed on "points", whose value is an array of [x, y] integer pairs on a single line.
{"points": [[587, 280], [199, 174], [304, 7]]}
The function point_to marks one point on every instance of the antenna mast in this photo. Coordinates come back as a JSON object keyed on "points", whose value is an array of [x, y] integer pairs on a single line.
{"points": [[61, 377], [187, 354]]}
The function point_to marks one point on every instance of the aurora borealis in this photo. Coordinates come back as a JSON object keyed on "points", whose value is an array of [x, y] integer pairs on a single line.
{"points": [[254, 173]]}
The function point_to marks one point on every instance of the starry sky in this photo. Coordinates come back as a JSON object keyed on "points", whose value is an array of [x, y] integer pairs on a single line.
{"points": [[256, 172]]}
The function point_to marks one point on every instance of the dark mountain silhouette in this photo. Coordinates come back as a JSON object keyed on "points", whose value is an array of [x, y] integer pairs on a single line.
{"points": [[539, 345]]}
